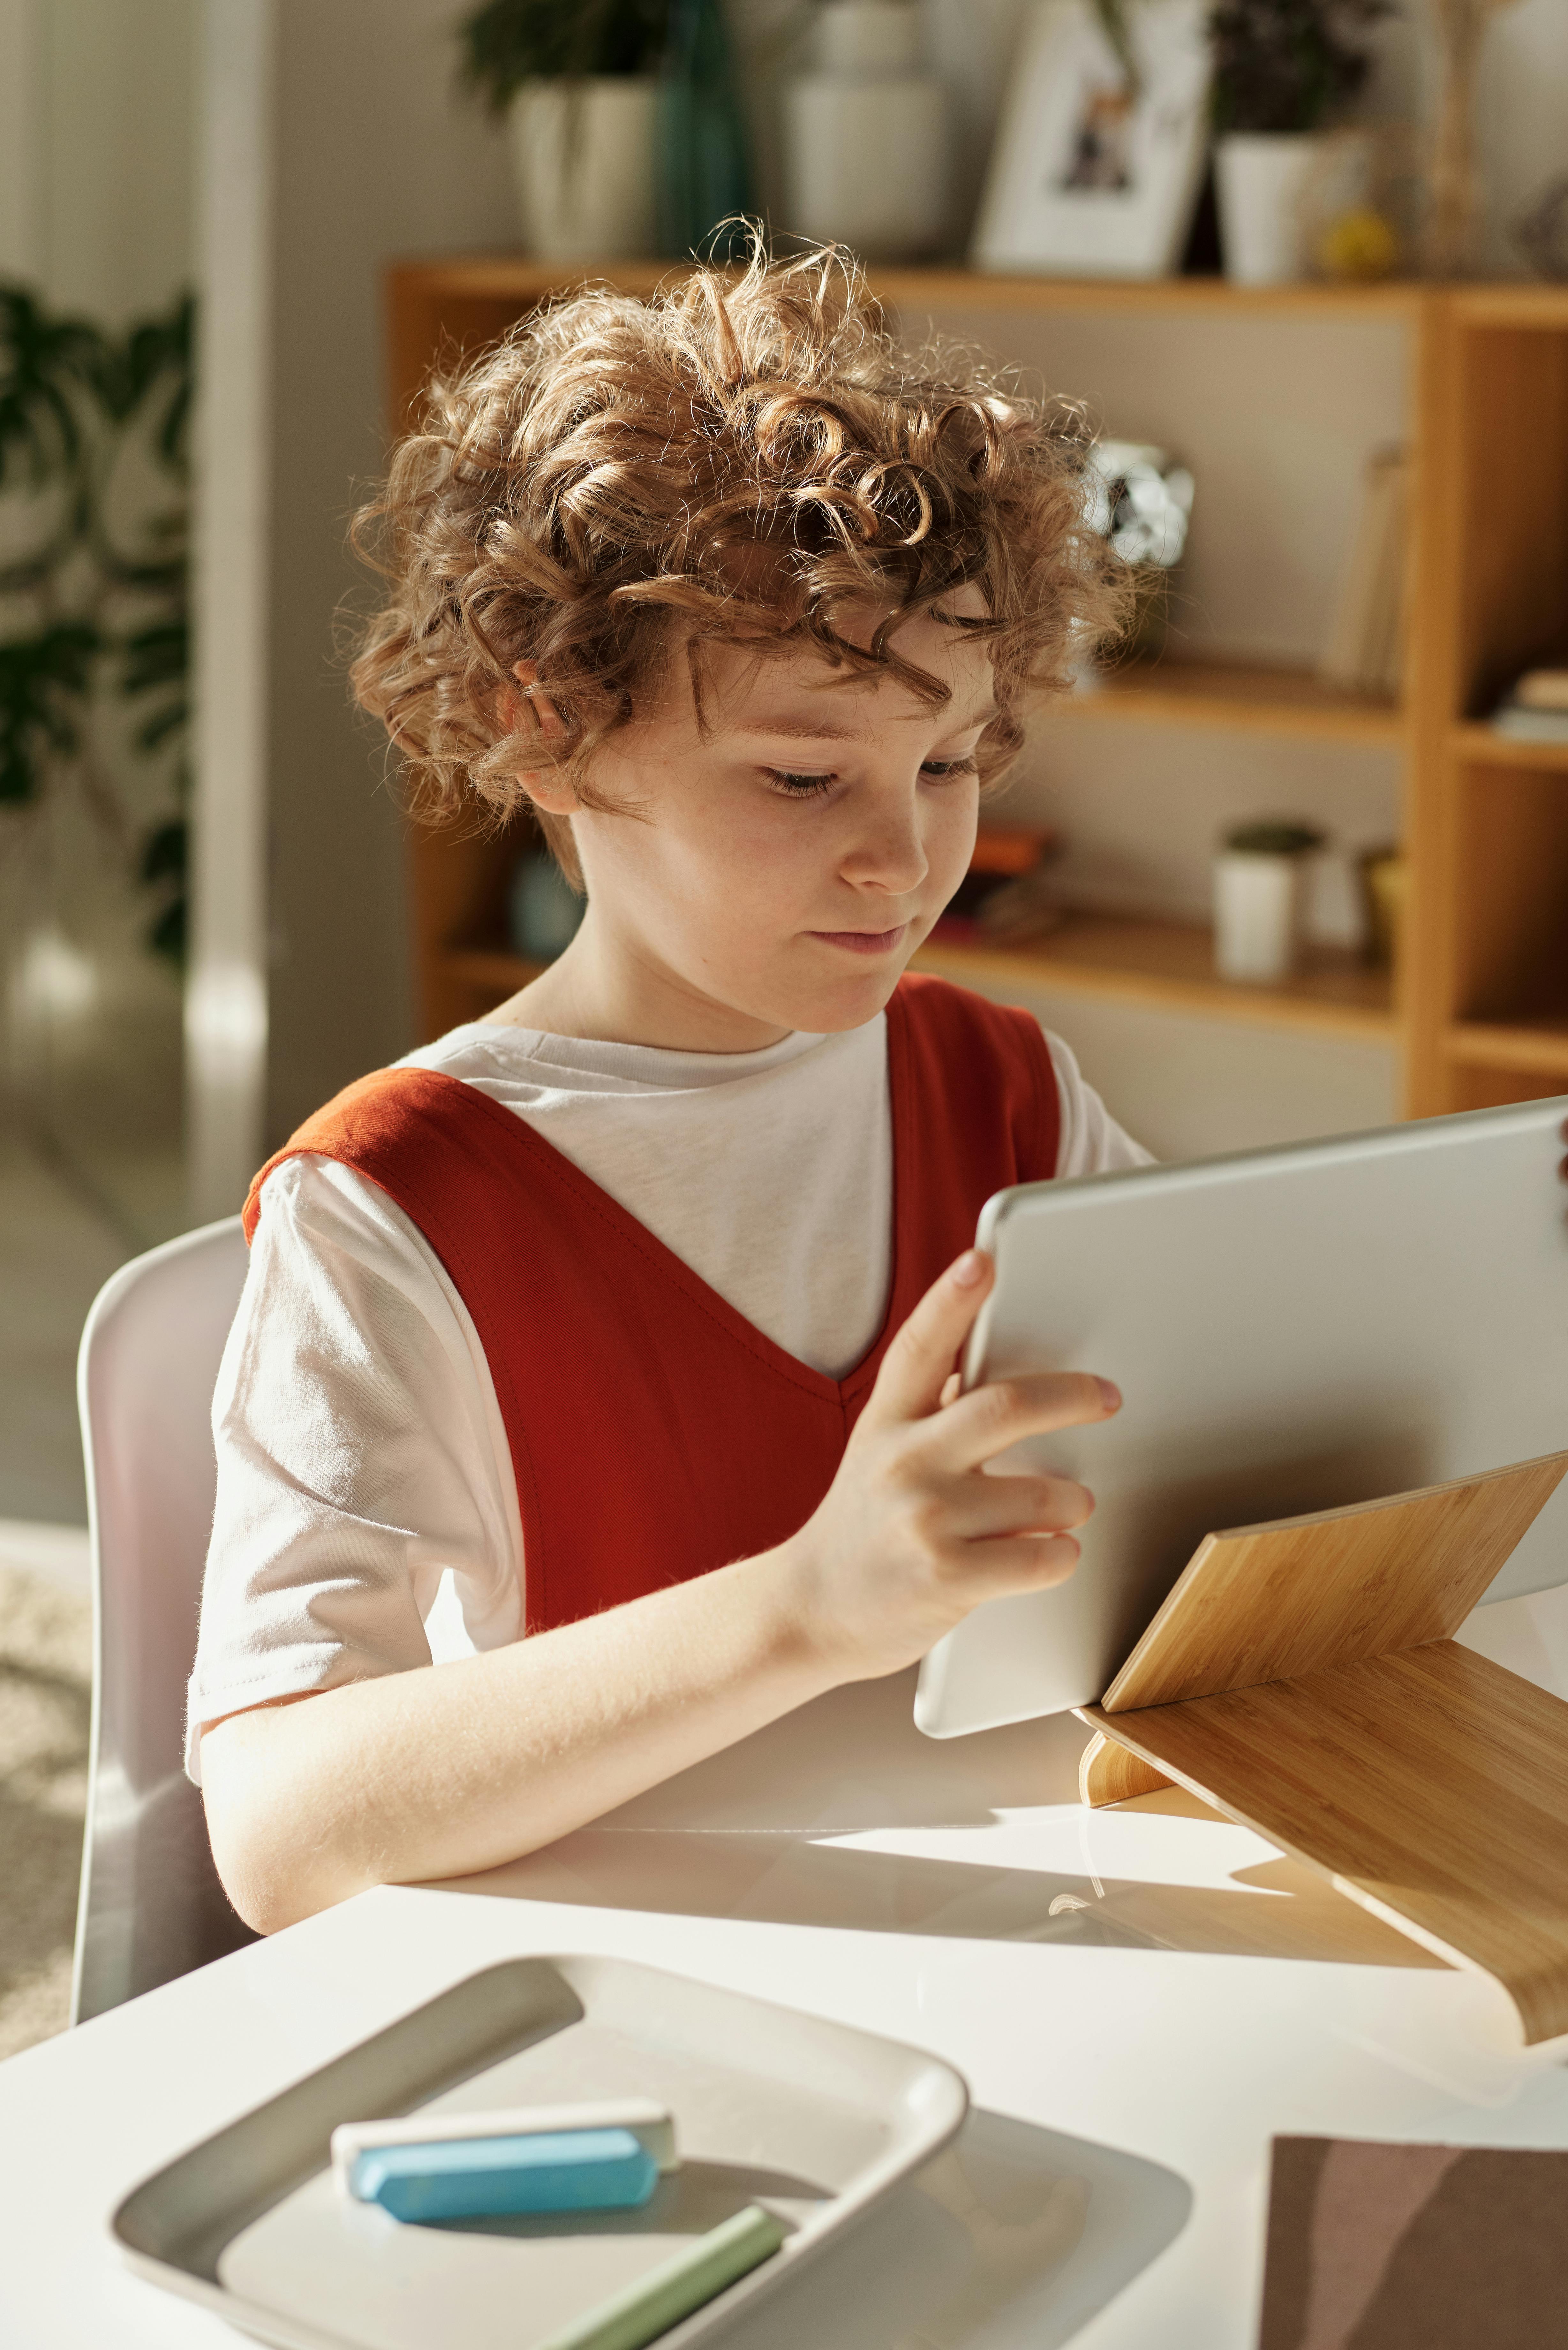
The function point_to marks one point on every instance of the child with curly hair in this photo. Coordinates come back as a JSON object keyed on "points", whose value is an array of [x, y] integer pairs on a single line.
{"points": [[591, 1402]]}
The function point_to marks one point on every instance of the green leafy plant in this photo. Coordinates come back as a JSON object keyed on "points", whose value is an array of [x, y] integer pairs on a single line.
{"points": [[97, 584], [508, 42], [1289, 64], [1274, 837]]}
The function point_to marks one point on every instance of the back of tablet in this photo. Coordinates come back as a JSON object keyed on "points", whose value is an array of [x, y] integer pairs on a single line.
{"points": [[1291, 1330]]}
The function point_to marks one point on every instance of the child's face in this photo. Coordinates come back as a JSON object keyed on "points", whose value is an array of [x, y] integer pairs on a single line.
{"points": [[789, 860]]}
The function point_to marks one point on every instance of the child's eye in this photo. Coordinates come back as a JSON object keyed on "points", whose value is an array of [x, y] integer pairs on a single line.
{"points": [[941, 768], [799, 787]]}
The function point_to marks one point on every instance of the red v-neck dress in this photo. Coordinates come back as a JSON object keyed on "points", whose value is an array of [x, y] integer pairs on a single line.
{"points": [[655, 1432]]}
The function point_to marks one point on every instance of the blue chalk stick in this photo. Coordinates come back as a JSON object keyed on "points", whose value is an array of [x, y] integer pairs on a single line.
{"points": [[469, 2179]]}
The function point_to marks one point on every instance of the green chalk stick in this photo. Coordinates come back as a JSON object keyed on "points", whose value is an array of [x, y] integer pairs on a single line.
{"points": [[678, 2287]]}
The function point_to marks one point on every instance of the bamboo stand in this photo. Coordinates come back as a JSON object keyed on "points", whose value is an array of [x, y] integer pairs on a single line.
{"points": [[1302, 1677]]}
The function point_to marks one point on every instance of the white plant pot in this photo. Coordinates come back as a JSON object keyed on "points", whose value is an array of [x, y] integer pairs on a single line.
{"points": [[1262, 182], [866, 163], [583, 153], [1257, 916]]}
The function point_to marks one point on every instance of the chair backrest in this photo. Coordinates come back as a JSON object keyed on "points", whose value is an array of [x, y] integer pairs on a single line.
{"points": [[151, 1906]]}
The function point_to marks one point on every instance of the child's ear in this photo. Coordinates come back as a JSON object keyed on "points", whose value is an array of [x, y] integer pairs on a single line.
{"points": [[534, 708]]}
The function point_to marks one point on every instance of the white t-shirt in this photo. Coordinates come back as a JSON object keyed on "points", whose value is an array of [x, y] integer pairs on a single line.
{"points": [[366, 1514]]}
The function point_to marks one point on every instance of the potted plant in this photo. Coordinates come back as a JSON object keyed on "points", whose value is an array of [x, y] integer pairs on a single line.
{"points": [[1284, 72], [577, 81], [1258, 899]]}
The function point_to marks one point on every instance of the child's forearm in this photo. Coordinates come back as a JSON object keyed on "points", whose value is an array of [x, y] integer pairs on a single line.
{"points": [[459, 1767]]}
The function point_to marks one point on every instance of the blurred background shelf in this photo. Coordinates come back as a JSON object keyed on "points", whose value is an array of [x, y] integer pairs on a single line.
{"points": [[1532, 1045], [1237, 695], [515, 278], [1162, 966], [494, 970], [1169, 967], [1157, 965], [1484, 746], [1482, 821]]}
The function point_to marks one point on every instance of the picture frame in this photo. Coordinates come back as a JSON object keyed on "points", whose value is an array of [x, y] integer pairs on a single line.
{"points": [[1088, 177]]}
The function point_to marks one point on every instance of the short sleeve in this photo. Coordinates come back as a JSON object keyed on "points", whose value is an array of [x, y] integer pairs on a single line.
{"points": [[367, 1516], [1091, 1143]]}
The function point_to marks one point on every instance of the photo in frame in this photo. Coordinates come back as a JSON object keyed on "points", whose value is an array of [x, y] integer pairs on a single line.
{"points": [[1095, 176]]}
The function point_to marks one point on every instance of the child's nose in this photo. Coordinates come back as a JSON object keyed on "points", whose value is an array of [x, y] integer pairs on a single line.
{"points": [[888, 856]]}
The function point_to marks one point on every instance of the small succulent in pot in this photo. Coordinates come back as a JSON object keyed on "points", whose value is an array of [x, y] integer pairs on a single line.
{"points": [[1274, 837], [1287, 173], [1258, 878]]}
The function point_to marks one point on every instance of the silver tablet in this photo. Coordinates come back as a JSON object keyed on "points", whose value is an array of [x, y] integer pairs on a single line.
{"points": [[1291, 1330]]}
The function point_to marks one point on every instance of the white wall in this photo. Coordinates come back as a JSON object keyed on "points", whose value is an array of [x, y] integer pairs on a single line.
{"points": [[1521, 115], [372, 156], [228, 982], [96, 127], [369, 155], [1522, 103], [1190, 1089], [379, 158]]}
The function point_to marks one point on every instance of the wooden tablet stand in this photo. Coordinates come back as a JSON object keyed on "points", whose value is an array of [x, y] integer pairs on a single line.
{"points": [[1302, 1677]]}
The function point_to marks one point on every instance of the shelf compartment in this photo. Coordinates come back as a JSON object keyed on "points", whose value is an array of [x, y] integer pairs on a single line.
{"points": [[1510, 940], [463, 984], [1482, 745], [495, 967], [1237, 695], [1169, 967], [1519, 306], [1539, 1047], [519, 278], [974, 289], [1162, 966]]}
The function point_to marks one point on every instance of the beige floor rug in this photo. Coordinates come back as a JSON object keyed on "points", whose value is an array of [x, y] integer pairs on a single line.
{"points": [[45, 1672]]}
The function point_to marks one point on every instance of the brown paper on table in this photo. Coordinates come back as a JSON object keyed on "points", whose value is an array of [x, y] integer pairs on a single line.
{"points": [[1415, 2248]]}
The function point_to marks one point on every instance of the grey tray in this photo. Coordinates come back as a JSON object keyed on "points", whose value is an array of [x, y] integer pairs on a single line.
{"points": [[814, 2120]]}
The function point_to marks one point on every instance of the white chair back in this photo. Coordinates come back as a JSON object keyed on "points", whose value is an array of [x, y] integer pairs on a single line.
{"points": [[151, 1906]]}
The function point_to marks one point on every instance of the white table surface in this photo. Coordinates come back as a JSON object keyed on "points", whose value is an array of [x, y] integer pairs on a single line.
{"points": [[1140, 1999]]}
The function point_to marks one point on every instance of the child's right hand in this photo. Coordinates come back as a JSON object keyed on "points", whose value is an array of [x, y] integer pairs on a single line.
{"points": [[912, 1533]]}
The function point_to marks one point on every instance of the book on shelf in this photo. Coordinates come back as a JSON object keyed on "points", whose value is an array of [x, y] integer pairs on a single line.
{"points": [[1536, 710], [1365, 651]]}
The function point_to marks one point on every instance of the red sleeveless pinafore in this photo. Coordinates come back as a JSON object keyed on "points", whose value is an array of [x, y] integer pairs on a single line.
{"points": [[655, 1432]]}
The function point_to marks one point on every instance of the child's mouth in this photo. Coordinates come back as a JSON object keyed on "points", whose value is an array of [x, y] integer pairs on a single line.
{"points": [[866, 942]]}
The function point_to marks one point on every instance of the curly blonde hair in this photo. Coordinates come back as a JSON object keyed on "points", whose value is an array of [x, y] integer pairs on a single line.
{"points": [[740, 459]]}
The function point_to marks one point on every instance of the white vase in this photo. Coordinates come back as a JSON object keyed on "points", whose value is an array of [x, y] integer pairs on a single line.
{"points": [[582, 152], [866, 136], [1257, 915], [1262, 182]]}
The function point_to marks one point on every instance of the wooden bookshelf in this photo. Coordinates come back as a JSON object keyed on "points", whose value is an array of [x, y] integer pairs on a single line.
{"points": [[1480, 1005], [1169, 967], [1478, 742], [1236, 695], [1161, 966], [1532, 1045]]}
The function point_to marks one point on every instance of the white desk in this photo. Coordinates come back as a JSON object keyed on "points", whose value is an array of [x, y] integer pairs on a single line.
{"points": [[1138, 1998]]}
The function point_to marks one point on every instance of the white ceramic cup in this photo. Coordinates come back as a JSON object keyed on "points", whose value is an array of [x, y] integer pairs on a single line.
{"points": [[583, 153], [1257, 915], [1260, 184]]}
